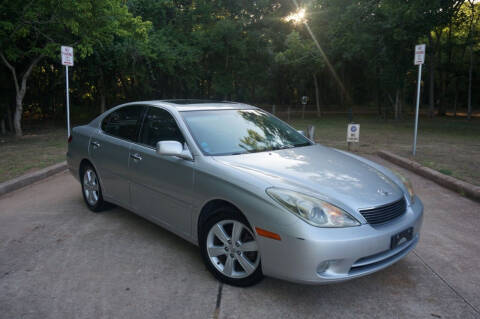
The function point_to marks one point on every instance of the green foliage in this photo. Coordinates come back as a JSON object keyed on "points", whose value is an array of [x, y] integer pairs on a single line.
{"points": [[384, 32], [40, 27], [237, 50]]}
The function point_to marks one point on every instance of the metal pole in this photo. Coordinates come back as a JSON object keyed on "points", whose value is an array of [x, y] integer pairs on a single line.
{"points": [[68, 103], [417, 109]]}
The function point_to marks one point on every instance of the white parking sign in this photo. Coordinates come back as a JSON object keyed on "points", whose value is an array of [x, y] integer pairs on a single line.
{"points": [[67, 60], [353, 133], [67, 55], [419, 54]]}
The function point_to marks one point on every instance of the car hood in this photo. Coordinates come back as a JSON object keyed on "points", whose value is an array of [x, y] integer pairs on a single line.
{"points": [[322, 171]]}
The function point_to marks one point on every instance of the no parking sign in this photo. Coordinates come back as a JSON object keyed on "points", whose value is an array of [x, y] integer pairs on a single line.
{"points": [[353, 133]]}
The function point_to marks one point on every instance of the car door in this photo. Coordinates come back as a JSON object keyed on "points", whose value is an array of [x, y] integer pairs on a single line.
{"points": [[161, 186], [110, 150]]}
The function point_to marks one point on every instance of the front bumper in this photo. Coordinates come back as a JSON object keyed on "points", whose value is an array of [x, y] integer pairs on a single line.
{"points": [[313, 255]]}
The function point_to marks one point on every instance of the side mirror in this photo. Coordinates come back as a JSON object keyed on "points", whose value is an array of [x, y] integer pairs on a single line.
{"points": [[173, 148]]}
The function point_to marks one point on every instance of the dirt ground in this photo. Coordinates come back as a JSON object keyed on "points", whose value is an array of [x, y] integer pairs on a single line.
{"points": [[449, 145]]}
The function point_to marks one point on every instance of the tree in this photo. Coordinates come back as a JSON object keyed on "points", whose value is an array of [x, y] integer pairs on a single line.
{"points": [[301, 58], [32, 31], [383, 33], [236, 50], [472, 40]]}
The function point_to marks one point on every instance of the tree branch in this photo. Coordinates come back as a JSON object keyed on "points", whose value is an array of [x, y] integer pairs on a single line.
{"points": [[27, 74], [14, 73]]}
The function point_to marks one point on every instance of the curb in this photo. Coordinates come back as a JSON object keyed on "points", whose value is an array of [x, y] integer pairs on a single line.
{"points": [[30, 178], [464, 188]]}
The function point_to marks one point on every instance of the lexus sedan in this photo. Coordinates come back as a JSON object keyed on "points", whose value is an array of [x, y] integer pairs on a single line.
{"points": [[253, 193]]}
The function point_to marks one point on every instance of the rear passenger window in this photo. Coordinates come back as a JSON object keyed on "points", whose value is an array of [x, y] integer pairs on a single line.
{"points": [[159, 125], [124, 122]]}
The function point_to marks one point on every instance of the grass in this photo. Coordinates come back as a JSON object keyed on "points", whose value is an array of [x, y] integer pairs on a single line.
{"points": [[448, 145], [37, 149]]}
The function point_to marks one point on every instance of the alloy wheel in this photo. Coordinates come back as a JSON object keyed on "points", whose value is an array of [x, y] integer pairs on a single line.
{"points": [[232, 249]]}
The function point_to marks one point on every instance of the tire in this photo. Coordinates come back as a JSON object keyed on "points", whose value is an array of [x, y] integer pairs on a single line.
{"points": [[229, 248], [91, 189]]}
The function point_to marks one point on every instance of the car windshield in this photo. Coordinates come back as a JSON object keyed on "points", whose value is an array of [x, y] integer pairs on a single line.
{"points": [[231, 132]]}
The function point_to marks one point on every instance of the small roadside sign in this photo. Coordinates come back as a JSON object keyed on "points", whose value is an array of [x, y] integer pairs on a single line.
{"points": [[67, 55], [304, 99], [419, 54], [418, 60], [67, 60], [353, 133]]}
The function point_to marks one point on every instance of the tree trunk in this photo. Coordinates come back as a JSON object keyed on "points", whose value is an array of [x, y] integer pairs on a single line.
{"points": [[17, 116], [102, 102], [377, 93], [101, 89], [473, 22], [397, 104], [455, 101], [317, 94], [9, 119], [340, 91], [470, 69], [2, 126], [431, 93], [443, 94], [20, 89], [402, 102]]}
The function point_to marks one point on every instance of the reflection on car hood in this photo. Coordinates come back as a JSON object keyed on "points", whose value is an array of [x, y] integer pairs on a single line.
{"points": [[320, 170]]}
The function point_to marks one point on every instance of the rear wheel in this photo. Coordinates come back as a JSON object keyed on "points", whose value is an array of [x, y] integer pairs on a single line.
{"points": [[229, 249], [91, 189]]}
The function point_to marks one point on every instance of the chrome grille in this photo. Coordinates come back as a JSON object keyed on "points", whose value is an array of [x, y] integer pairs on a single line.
{"points": [[382, 214]]}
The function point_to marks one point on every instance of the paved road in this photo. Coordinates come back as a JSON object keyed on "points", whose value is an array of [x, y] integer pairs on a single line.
{"points": [[59, 260]]}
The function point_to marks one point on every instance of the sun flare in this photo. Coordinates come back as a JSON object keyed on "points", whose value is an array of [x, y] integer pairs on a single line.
{"points": [[296, 17]]}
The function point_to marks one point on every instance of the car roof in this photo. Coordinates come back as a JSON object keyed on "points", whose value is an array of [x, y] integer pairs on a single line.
{"points": [[200, 105]]}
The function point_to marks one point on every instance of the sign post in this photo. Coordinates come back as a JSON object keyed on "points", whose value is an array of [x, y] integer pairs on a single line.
{"points": [[353, 134], [418, 60], [304, 103], [67, 60]]}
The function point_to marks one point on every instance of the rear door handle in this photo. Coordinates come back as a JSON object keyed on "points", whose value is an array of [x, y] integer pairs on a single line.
{"points": [[136, 157], [95, 144]]}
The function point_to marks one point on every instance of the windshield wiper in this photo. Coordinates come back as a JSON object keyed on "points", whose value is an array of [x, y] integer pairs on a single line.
{"points": [[283, 147]]}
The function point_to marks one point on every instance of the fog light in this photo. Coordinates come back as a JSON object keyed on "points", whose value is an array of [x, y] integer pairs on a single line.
{"points": [[323, 267]]}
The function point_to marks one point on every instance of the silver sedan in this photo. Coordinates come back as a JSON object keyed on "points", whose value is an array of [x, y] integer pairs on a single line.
{"points": [[255, 195]]}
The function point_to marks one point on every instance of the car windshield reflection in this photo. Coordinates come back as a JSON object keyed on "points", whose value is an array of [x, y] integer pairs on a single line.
{"points": [[234, 132]]}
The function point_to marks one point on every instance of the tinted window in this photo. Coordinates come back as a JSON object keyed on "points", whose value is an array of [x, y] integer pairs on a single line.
{"points": [[159, 125], [124, 122], [241, 131]]}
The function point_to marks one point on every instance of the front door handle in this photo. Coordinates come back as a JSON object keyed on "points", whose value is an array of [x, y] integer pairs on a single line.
{"points": [[95, 144], [136, 157]]}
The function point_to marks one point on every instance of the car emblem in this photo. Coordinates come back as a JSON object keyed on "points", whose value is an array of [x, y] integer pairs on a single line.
{"points": [[383, 192]]}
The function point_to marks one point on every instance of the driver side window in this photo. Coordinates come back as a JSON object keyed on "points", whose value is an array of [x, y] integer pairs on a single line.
{"points": [[159, 125]]}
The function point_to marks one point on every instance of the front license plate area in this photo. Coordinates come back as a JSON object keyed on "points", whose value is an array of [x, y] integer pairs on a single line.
{"points": [[401, 237]]}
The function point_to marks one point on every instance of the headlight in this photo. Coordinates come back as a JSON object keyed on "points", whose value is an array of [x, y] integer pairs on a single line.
{"points": [[313, 210], [407, 184]]}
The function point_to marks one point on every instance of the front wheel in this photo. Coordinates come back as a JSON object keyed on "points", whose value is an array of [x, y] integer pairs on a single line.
{"points": [[229, 249]]}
